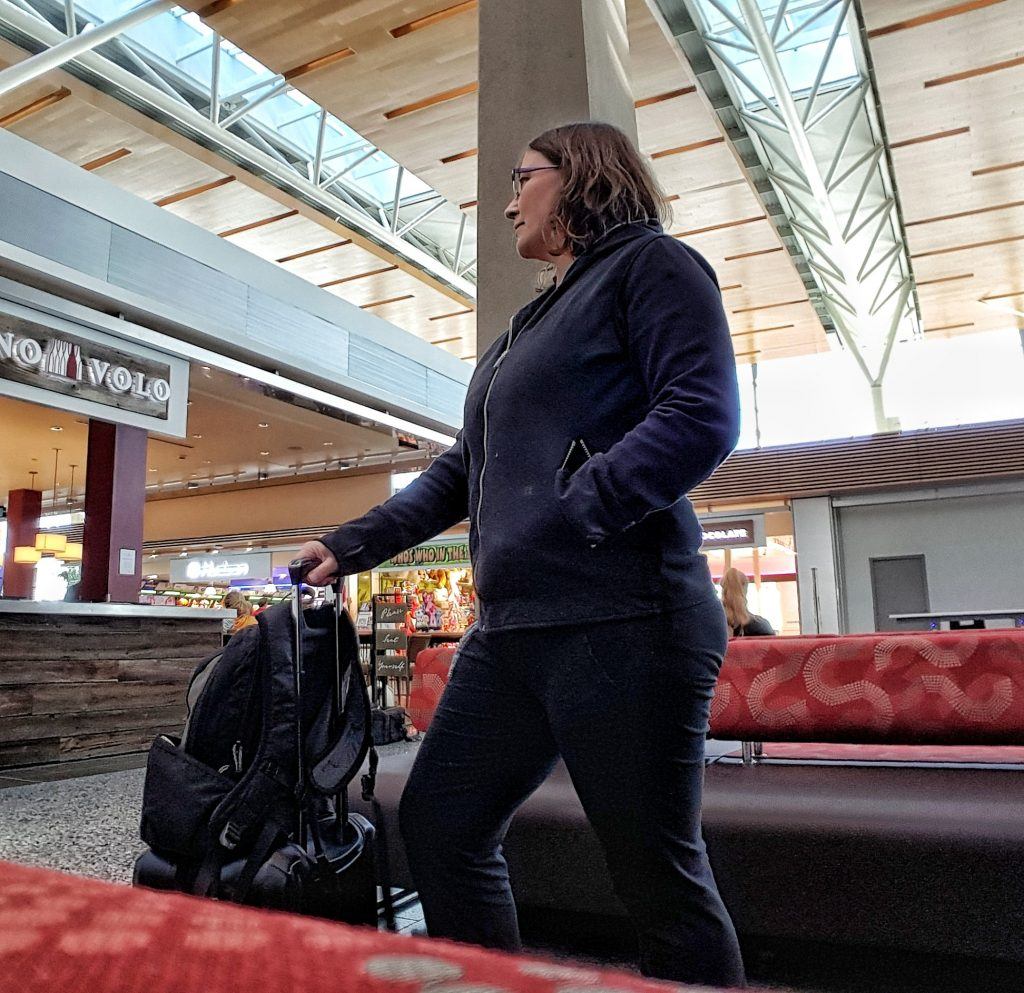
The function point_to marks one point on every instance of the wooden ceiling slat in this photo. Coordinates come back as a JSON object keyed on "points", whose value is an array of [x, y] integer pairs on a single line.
{"points": [[257, 224], [1003, 296], [454, 313], [921, 139], [430, 19], [682, 149], [967, 213], [750, 255], [432, 101], [216, 7], [777, 327], [950, 327], [732, 286], [930, 18], [447, 341], [315, 251], [459, 156], [769, 306], [103, 160], [358, 275], [467, 204], [945, 279], [997, 168], [964, 248], [958, 77], [194, 191], [380, 303], [662, 97], [34, 107], [719, 227], [319, 63]]}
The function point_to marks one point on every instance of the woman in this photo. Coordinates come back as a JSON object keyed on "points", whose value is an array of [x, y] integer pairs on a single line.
{"points": [[607, 399], [742, 623], [235, 600]]}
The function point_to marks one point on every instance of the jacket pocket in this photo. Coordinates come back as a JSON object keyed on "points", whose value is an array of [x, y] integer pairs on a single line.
{"points": [[577, 456]]}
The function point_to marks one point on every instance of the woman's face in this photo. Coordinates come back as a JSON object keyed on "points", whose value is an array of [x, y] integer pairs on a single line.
{"points": [[532, 211]]}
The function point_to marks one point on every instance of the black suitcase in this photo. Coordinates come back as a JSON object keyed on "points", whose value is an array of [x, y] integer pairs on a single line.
{"points": [[324, 865]]}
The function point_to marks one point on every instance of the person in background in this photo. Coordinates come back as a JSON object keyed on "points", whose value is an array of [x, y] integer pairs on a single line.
{"points": [[235, 600], [742, 623], [264, 602], [605, 401]]}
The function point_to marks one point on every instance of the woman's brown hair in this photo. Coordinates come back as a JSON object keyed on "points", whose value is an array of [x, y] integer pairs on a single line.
{"points": [[734, 598], [605, 182]]}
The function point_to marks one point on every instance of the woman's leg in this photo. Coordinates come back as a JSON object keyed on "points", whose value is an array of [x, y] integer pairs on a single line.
{"points": [[487, 749], [634, 744]]}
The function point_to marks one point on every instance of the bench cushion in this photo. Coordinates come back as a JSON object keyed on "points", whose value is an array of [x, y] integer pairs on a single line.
{"points": [[935, 688]]}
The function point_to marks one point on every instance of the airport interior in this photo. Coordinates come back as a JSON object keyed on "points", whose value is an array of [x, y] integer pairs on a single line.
{"points": [[260, 274]]}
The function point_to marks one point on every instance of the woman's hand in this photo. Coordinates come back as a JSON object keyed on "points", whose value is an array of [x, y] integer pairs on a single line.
{"points": [[326, 571]]}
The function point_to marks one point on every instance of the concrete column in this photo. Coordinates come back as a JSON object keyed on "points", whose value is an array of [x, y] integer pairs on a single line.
{"points": [[24, 508], [819, 580], [115, 495], [542, 63]]}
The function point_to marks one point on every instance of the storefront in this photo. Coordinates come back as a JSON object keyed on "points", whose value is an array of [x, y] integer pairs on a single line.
{"points": [[761, 545], [438, 580]]}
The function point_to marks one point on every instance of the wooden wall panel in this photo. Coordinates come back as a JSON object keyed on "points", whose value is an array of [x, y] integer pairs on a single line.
{"points": [[74, 686]]}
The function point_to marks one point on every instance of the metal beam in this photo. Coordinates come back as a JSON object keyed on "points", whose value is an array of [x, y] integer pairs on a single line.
{"points": [[70, 20], [215, 80], [71, 48], [256, 102]]}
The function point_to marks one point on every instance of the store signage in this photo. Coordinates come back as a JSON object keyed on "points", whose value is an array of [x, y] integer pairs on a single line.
{"points": [[433, 555], [391, 666], [221, 568], [391, 641], [43, 357], [391, 613], [747, 532]]}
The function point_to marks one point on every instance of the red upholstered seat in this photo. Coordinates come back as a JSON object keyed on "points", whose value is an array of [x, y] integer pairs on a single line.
{"points": [[429, 678], [963, 688], [60, 933]]}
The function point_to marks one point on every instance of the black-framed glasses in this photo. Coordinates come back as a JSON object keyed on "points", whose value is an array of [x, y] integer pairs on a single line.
{"points": [[520, 171]]}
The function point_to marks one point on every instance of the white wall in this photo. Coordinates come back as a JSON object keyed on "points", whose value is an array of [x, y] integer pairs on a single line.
{"points": [[973, 547]]}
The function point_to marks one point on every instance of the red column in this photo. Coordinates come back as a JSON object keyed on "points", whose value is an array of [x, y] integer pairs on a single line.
{"points": [[115, 495], [23, 511]]}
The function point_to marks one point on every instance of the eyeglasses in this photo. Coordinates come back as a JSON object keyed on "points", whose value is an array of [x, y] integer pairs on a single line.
{"points": [[519, 172]]}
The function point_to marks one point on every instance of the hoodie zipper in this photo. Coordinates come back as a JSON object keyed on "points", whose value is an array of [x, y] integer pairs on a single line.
{"points": [[487, 396]]}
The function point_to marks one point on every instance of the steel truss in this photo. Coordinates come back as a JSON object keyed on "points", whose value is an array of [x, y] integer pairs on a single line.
{"points": [[103, 57], [817, 157]]}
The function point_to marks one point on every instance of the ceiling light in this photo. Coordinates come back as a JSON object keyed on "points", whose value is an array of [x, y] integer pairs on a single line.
{"points": [[197, 436], [327, 444], [207, 462], [152, 469], [263, 424], [205, 368], [264, 453], [56, 427]]}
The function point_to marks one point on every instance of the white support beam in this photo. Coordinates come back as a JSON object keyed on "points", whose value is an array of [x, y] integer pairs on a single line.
{"points": [[71, 48]]}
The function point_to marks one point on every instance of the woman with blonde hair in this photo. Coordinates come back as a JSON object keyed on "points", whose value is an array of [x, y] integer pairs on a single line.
{"points": [[235, 600], [742, 623], [607, 399]]}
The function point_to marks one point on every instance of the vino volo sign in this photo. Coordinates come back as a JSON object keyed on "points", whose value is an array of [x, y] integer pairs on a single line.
{"points": [[92, 369]]}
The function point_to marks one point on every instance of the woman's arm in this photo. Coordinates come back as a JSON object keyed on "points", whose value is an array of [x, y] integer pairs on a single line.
{"points": [[678, 341], [431, 503]]}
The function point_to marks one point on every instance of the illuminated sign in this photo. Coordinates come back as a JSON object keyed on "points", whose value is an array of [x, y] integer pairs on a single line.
{"points": [[747, 532], [221, 568], [433, 555], [49, 360]]}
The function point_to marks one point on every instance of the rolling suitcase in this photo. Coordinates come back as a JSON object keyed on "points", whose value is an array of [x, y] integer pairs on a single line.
{"points": [[250, 804]]}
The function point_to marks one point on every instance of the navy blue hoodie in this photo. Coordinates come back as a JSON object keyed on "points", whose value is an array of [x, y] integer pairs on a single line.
{"points": [[610, 397]]}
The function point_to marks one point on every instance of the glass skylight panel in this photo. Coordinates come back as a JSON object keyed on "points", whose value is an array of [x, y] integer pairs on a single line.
{"points": [[180, 43]]}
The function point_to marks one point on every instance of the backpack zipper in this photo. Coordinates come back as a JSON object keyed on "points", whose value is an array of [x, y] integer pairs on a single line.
{"points": [[487, 396]]}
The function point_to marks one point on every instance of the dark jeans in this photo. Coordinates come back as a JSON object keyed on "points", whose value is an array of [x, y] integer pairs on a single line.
{"points": [[625, 704]]}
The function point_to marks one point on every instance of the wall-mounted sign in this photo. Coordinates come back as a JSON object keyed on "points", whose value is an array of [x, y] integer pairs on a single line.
{"points": [[746, 532], [221, 568], [441, 554], [54, 361]]}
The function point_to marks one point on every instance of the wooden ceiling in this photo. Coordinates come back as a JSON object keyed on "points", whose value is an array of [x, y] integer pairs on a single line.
{"points": [[951, 81], [948, 76]]}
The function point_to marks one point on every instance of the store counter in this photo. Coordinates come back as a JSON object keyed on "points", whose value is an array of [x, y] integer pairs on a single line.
{"points": [[82, 680]]}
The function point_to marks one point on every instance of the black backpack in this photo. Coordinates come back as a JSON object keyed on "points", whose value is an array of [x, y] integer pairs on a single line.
{"points": [[250, 803]]}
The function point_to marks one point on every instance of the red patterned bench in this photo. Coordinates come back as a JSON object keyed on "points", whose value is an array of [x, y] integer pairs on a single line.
{"points": [[61, 933], [908, 856]]}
